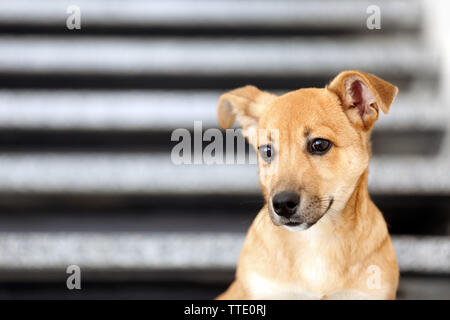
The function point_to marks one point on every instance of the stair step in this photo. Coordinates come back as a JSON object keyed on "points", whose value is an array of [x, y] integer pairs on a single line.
{"points": [[136, 110], [172, 285], [173, 251], [86, 176], [218, 13], [140, 173], [395, 56], [404, 215]]}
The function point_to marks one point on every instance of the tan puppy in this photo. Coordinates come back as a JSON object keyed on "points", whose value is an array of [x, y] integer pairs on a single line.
{"points": [[319, 235]]}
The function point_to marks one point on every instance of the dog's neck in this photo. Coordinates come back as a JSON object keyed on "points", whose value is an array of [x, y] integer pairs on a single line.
{"points": [[357, 205]]}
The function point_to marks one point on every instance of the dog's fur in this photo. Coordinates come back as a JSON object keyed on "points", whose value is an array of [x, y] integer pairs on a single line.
{"points": [[343, 250]]}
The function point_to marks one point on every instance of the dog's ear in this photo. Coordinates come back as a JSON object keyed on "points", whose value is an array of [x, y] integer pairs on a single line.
{"points": [[247, 104], [361, 95]]}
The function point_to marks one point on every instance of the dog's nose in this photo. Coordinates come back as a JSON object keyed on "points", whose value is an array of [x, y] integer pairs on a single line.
{"points": [[285, 203]]}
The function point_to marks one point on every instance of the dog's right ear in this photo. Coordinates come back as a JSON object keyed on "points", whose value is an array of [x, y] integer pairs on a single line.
{"points": [[362, 94], [247, 104]]}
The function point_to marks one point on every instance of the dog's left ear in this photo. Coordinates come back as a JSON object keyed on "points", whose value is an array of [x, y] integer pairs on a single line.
{"points": [[362, 94], [247, 104]]}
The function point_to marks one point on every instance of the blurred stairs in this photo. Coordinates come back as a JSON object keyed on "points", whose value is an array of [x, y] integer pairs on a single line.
{"points": [[86, 118]]}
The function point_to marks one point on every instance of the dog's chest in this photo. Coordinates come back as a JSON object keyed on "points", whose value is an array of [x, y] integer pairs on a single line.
{"points": [[315, 277], [309, 268], [261, 287]]}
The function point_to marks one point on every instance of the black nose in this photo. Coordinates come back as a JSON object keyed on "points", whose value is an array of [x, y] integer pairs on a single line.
{"points": [[285, 203]]}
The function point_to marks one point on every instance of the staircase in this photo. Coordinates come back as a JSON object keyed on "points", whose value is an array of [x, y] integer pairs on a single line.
{"points": [[86, 118]]}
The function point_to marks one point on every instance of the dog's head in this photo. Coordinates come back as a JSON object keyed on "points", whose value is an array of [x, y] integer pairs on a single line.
{"points": [[313, 144]]}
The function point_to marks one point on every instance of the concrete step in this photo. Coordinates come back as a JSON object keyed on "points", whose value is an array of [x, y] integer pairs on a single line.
{"points": [[404, 215], [173, 286], [291, 56], [172, 251], [137, 110], [181, 13], [141, 173]]}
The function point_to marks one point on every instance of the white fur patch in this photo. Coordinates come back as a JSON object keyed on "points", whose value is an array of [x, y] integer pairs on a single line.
{"points": [[300, 227], [263, 288]]}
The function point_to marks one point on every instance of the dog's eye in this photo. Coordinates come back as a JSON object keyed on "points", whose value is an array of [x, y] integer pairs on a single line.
{"points": [[319, 146], [266, 152]]}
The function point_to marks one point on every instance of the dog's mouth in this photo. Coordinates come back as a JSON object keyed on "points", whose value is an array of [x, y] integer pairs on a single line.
{"points": [[292, 224], [329, 204], [297, 226]]}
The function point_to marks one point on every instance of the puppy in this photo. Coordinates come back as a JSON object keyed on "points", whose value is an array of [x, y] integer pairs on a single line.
{"points": [[319, 235]]}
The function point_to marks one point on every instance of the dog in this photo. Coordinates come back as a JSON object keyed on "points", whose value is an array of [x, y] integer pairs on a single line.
{"points": [[319, 235]]}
